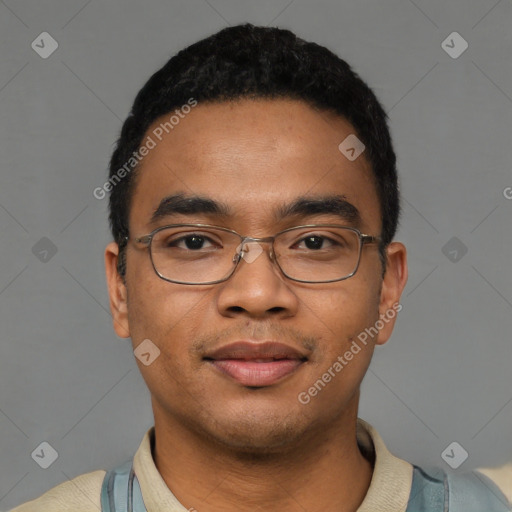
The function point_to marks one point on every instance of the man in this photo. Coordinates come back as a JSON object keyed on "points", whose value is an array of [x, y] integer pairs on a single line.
{"points": [[254, 202]]}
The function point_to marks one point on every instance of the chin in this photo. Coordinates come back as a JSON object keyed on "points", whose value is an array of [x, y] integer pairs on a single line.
{"points": [[257, 435]]}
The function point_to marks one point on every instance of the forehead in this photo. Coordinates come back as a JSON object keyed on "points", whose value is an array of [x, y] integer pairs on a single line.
{"points": [[254, 156]]}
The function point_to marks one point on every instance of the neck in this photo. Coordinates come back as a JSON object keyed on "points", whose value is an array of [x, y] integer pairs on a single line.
{"points": [[327, 471]]}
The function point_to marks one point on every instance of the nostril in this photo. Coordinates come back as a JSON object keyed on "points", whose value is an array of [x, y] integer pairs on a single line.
{"points": [[236, 309], [276, 309]]}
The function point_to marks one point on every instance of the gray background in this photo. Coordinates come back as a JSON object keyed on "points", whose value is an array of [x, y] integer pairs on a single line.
{"points": [[66, 379]]}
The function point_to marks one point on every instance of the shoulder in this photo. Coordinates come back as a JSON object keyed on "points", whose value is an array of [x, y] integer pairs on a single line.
{"points": [[473, 491], [501, 477], [81, 494]]}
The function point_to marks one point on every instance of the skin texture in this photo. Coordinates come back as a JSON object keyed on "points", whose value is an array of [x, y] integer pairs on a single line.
{"points": [[221, 446]]}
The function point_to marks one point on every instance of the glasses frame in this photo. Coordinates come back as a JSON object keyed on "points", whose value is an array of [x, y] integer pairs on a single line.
{"points": [[364, 239]]}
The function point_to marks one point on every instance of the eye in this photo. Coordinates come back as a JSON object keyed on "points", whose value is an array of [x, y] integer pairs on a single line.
{"points": [[191, 242], [317, 242]]}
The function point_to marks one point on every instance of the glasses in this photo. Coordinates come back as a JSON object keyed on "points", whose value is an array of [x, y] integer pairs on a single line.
{"points": [[202, 254]]}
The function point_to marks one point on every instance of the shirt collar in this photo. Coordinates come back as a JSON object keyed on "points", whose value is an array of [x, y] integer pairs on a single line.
{"points": [[389, 489]]}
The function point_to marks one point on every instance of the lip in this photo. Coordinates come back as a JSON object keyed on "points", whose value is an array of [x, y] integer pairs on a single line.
{"points": [[256, 364]]}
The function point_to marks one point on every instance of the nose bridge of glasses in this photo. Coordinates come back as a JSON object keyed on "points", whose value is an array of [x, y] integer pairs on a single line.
{"points": [[250, 249]]}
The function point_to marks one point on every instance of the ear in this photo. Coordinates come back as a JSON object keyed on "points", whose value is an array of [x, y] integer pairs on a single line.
{"points": [[117, 292], [393, 284]]}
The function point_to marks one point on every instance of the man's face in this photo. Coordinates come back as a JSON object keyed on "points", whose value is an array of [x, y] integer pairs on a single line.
{"points": [[253, 157]]}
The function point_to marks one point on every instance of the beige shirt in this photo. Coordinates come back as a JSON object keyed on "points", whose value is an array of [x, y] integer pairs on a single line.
{"points": [[388, 492]]}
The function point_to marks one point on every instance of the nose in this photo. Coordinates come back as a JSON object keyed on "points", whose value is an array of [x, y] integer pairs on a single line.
{"points": [[257, 288]]}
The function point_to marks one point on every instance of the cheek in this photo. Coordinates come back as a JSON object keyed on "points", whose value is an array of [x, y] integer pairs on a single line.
{"points": [[345, 310], [170, 316], [345, 349], [156, 308], [164, 316]]}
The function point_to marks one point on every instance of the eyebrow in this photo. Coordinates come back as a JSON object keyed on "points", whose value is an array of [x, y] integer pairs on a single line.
{"points": [[189, 205], [332, 205], [337, 205]]}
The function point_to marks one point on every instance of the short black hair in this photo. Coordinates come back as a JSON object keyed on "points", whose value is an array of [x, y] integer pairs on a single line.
{"points": [[246, 61]]}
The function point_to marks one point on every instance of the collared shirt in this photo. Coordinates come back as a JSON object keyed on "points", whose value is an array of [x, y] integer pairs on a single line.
{"points": [[389, 489]]}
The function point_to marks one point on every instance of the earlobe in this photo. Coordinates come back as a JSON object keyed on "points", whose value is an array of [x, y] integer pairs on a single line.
{"points": [[393, 285], [117, 292]]}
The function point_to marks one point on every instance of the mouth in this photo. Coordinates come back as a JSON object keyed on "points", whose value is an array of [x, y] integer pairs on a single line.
{"points": [[256, 364]]}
